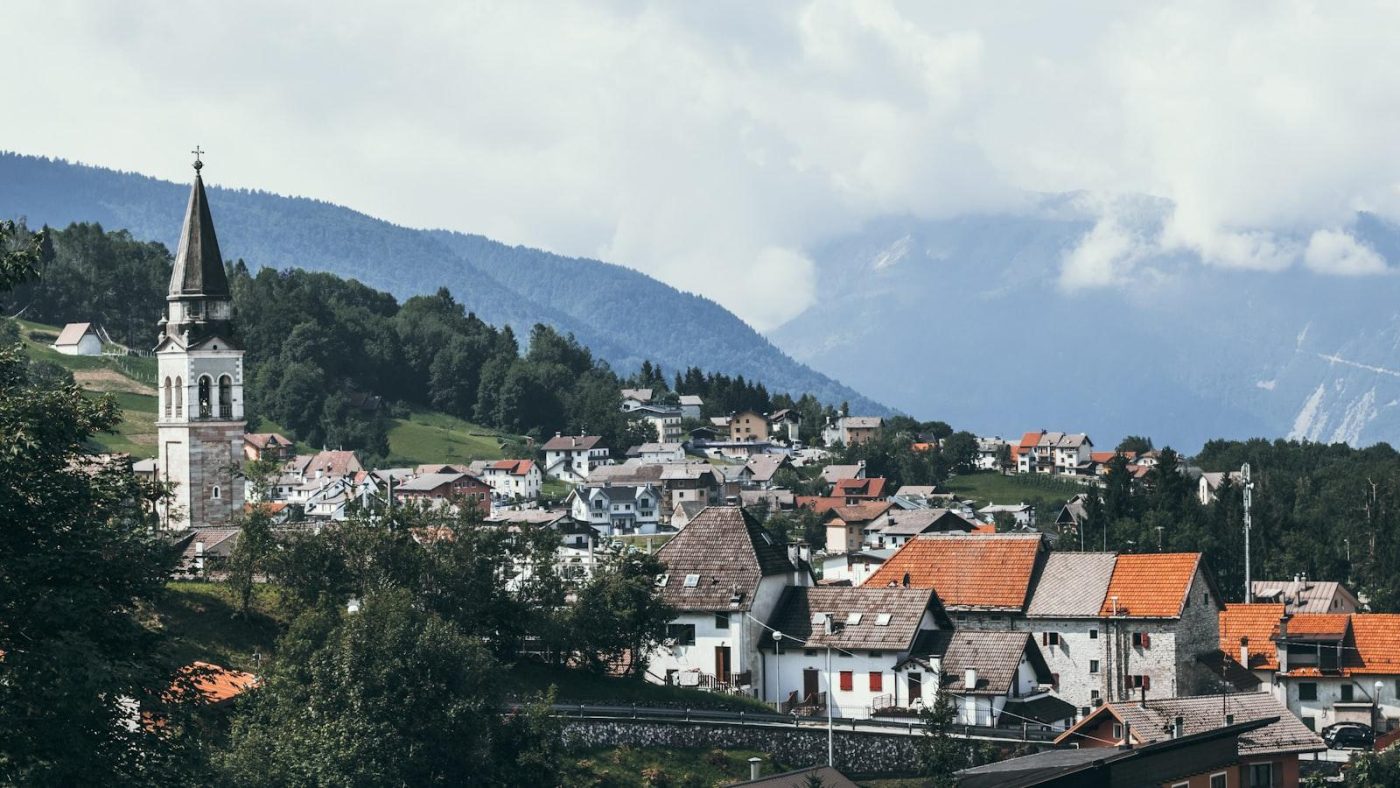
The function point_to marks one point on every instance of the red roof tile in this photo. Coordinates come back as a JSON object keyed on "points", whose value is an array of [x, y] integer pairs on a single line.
{"points": [[1317, 624], [1150, 585], [968, 571], [873, 487], [819, 504], [1029, 440], [1377, 638], [1256, 622]]}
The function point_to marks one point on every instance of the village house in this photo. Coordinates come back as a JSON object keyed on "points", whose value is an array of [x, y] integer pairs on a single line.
{"points": [[657, 452], [617, 508], [748, 426], [870, 632], [905, 524], [267, 446], [852, 430], [334, 500], [1208, 486], [1325, 667], [989, 453], [762, 467], [854, 491], [691, 405], [1022, 514], [510, 480], [832, 474], [633, 399], [785, 425], [445, 489], [1108, 630], [1027, 457], [678, 483], [998, 678], [724, 577], [665, 422], [79, 339], [1267, 755], [848, 526], [855, 567], [573, 457], [1301, 595], [1070, 453]]}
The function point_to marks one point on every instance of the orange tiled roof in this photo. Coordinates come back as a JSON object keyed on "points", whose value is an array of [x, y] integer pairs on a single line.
{"points": [[1150, 585], [1029, 439], [218, 684], [818, 503], [984, 528], [872, 487], [1377, 638], [1258, 622], [969, 571], [1316, 624]]}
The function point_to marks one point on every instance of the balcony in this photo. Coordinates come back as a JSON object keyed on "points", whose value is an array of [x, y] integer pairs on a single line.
{"points": [[810, 706]]}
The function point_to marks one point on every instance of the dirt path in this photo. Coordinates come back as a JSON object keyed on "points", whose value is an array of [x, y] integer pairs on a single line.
{"points": [[110, 380]]}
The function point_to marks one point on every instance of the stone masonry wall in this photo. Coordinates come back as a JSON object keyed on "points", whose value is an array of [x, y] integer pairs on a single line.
{"points": [[859, 753]]}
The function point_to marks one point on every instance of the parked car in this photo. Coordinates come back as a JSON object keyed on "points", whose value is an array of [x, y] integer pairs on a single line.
{"points": [[1349, 736]]}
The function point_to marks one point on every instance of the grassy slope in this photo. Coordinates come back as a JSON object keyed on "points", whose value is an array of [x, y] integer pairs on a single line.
{"points": [[657, 766], [984, 487], [203, 622], [424, 437]]}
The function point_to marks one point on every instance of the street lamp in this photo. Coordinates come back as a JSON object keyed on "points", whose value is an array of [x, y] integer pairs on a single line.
{"points": [[830, 728]]}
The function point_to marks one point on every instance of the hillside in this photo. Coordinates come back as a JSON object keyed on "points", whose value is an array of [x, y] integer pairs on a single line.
{"points": [[1181, 350], [422, 436], [623, 316]]}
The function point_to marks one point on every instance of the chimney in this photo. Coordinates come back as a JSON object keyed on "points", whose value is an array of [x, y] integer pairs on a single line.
{"points": [[1244, 651], [905, 581], [969, 679], [1281, 645], [829, 624], [1127, 743], [970, 700], [755, 767], [1142, 696]]}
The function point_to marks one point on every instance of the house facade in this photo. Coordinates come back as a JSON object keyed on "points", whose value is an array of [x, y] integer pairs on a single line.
{"points": [[748, 426], [724, 576], [79, 339], [511, 480], [617, 508], [573, 457], [664, 422]]}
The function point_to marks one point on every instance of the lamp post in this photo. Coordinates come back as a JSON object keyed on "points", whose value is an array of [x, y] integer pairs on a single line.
{"points": [[830, 729]]}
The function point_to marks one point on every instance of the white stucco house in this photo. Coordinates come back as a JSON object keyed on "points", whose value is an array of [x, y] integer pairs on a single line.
{"points": [[573, 457]]}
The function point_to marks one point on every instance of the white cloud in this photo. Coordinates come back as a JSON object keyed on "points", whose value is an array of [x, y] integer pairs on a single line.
{"points": [[691, 141], [1337, 252]]}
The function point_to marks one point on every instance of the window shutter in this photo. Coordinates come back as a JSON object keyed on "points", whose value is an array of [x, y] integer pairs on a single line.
{"points": [[847, 680], [877, 681], [1146, 640], [1147, 682], [1044, 638]]}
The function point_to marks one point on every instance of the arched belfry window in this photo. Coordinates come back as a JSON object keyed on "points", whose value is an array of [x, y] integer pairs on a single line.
{"points": [[179, 397], [168, 395], [215, 494], [206, 405], [225, 397]]}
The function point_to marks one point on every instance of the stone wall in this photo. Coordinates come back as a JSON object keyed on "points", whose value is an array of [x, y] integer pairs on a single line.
{"points": [[856, 752]]}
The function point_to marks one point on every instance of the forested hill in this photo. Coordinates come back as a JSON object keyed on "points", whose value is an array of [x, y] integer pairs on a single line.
{"points": [[625, 317]]}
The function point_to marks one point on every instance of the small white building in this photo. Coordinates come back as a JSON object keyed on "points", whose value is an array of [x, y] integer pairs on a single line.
{"points": [[691, 404], [657, 452], [510, 480], [633, 399], [573, 457], [79, 339], [664, 422], [870, 633], [724, 576], [1022, 513], [613, 509]]}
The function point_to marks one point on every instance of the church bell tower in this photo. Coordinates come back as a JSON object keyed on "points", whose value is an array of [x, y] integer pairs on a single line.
{"points": [[199, 419]]}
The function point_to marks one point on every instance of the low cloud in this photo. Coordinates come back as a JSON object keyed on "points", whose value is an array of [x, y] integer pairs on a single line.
{"points": [[1337, 252]]}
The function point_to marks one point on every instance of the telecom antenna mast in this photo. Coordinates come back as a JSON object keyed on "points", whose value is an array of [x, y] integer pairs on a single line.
{"points": [[1248, 500]]}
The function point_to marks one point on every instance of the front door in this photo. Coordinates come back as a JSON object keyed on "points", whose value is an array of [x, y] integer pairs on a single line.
{"points": [[916, 687], [809, 685], [722, 664]]}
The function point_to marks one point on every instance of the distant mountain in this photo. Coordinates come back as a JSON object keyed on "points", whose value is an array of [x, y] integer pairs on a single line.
{"points": [[622, 315], [965, 318]]}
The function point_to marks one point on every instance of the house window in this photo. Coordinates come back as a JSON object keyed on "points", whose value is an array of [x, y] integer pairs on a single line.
{"points": [[1220, 780], [810, 652], [721, 621], [1139, 681], [1050, 638], [848, 680], [1093, 634], [683, 634], [1093, 666], [1307, 690], [1311, 722], [1117, 731], [1261, 775], [876, 654], [1142, 640], [692, 581], [1347, 693], [877, 681]]}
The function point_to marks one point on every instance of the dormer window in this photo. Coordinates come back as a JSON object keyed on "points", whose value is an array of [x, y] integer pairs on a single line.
{"points": [[691, 581]]}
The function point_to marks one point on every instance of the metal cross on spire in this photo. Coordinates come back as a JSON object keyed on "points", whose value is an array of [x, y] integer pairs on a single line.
{"points": [[198, 165]]}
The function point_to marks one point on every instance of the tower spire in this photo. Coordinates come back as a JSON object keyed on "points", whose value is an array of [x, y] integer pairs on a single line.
{"points": [[199, 267]]}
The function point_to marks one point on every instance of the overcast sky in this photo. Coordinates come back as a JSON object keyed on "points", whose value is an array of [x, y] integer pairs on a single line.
{"points": [[710, 144]]}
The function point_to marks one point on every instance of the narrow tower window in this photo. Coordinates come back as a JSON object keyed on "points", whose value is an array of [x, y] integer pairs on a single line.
{"points": [[168, 394], [225, 397], [215, 496], [179, 398], [205, 405]]}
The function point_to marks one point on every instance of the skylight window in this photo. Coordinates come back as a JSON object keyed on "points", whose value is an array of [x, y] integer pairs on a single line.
{"points": [[883, 620], [853, 619], [692, 581]]}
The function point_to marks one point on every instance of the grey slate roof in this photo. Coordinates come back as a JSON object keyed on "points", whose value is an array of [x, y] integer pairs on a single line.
{"points": [[571, 443], [729, 551], [1071, 585], [995, 656], [910, 522], [1302, 596], [1201, 713], [905, 607], [199, 268], [71, 333], [763, 466]]}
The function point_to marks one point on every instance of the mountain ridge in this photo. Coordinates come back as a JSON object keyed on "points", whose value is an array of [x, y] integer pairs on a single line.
{"points": [[677, 329]]}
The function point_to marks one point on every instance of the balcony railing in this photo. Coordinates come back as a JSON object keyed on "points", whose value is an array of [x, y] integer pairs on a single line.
{"points": [[804, 706]]}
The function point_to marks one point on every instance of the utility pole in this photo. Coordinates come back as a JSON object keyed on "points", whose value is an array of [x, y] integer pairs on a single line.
{"points": [[830, 731], [1248, 501]]}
